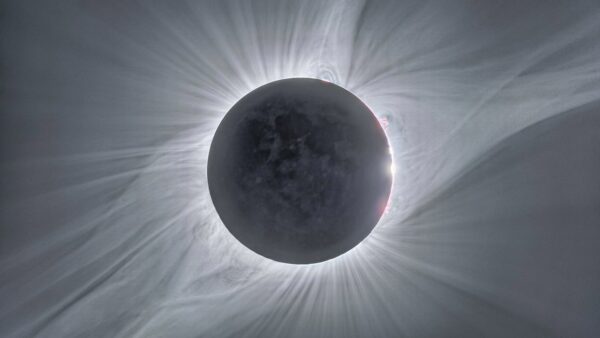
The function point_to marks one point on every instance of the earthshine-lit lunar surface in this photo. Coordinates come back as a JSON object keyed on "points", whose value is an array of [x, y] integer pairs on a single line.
{"points": [[299, 170]]}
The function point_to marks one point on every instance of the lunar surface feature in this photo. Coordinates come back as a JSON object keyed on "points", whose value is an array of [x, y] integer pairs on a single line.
{"points": [[299, 170]]}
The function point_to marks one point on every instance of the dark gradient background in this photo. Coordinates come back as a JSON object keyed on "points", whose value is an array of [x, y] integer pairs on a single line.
{"points": [[108, 109]]}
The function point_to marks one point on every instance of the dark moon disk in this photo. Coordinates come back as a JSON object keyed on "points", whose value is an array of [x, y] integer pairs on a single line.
{"points": [[299, 170]]}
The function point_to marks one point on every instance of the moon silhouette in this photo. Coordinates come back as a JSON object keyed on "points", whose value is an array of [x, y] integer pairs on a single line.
{"points": [[299, 170]]}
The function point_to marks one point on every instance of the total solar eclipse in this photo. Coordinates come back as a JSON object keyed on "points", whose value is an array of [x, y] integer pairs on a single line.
{"points": [[299, 170]]}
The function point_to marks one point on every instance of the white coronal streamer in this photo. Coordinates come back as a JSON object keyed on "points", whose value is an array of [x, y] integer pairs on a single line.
{"points": [[140, 252]]}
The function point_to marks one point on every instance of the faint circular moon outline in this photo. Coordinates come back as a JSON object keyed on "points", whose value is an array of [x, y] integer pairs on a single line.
{"points": [[299, 170]]}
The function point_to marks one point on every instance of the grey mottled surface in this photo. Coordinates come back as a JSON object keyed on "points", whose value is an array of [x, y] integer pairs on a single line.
{"points": [[299, 170]]}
